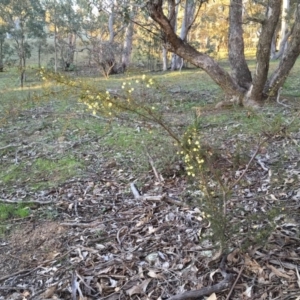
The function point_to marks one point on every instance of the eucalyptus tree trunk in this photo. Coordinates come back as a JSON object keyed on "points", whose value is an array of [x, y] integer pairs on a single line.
{"points": [[20, 41], [111, 19], [1, 55], [268, 27], [127, 46], [288, 59], [55, 47], [39, 51], [164, 58], [238, 64], [284, 31], [173, 12], [70, 50], [188, 18], [239, 86], [109, 58]]}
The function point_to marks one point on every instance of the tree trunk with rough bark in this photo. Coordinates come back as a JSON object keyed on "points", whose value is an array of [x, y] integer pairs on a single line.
{"points": [[263, 52], [287, 61], [239, 86]]}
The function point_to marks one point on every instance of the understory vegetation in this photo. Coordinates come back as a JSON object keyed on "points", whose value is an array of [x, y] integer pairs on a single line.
{"points": [[66, 140]]}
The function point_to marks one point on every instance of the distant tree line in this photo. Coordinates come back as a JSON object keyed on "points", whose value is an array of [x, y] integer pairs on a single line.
{"points": [[165, 33]]}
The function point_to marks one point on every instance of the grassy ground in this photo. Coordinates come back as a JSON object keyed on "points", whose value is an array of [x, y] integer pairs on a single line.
{"points": [[68, 166], [47, 136]]}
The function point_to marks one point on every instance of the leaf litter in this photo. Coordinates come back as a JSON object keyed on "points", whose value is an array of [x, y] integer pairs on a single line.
{"points": [[104, 243]]}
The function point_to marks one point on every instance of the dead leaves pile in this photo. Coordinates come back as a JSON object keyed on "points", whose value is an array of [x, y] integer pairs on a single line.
{"points": [[118, 247], [112, 246], [106, 244]]}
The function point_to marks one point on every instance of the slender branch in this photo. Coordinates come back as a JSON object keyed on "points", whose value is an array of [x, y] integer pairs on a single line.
{"points": [[235, 282]]}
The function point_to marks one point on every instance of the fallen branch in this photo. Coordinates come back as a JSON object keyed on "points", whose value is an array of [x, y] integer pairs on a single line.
{"points": [[235, 282], [163, 197], [18, 273], [25, 201], [8, 146], [216, 288], [158, 177], [83, 225], [262, 165]]}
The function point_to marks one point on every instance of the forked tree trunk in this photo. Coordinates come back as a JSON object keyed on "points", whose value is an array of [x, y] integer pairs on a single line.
{"points": [[176, 45], [287, 61], [239, 87], [263, 51]]}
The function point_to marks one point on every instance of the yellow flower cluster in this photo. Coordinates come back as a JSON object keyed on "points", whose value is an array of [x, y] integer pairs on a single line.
{"points": [[102, 103], [97, 103], [147, 82], [191, 152]]}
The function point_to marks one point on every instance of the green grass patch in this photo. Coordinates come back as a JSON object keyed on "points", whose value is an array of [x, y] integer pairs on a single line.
{"points": [[8, 211], [55, 114], [47, 172], [130, 147], [41, 172]]}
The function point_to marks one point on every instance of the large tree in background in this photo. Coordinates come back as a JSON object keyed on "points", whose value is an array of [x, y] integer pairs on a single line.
{"points": [[64, 25], [107, 33], [129, 15], [240, 85], [25, 19]]}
